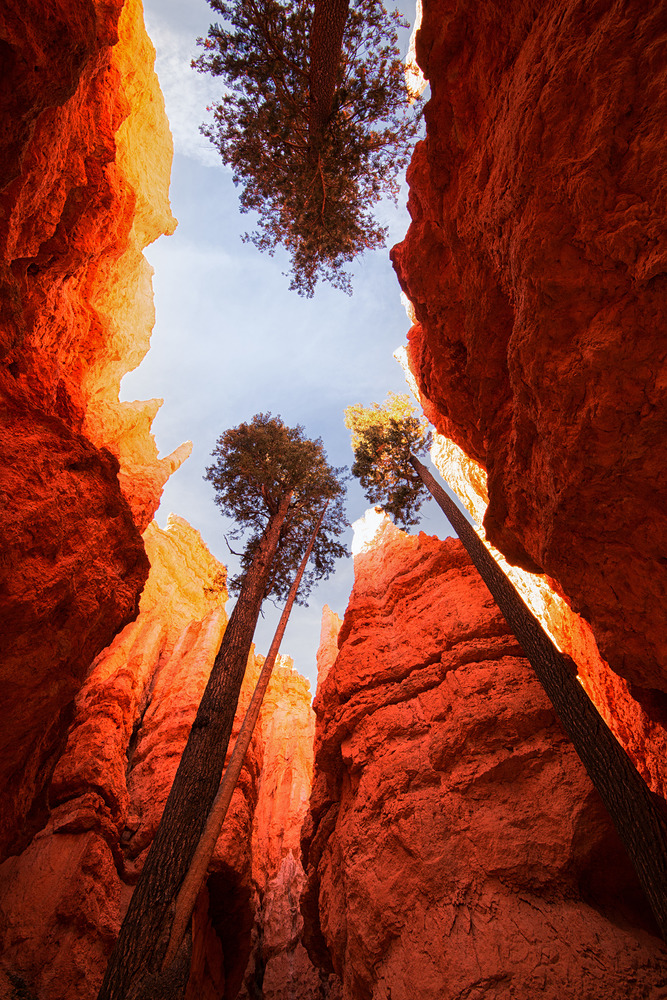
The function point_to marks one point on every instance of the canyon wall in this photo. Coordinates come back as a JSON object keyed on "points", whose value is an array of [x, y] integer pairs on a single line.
{"points": [[85, 157], [62, 899], [455, 846], [536, 267]]}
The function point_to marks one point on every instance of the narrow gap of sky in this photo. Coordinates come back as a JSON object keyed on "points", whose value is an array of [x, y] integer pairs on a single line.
{"points": [[230, 340]]}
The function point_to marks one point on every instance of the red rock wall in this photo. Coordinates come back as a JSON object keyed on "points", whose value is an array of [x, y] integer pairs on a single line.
{"points": [[536, 264], [85, 154], [62, 899], [455, 846]]}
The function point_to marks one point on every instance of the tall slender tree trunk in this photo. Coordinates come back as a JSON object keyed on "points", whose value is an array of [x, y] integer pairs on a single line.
{"points": [[326, 46], [143, 934], [187, 896], [631, 806]]}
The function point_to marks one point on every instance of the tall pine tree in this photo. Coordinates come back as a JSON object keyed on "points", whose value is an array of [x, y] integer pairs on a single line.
{"points": [[274, 482]]}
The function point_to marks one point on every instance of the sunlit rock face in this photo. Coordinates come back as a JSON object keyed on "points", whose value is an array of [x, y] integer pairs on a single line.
{"points": [[535, 263], [328, 648], [85, 156], [455, 846], [62, 899], [644, 738]]}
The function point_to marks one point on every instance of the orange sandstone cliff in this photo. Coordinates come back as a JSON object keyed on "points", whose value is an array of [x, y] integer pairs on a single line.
{"points": [[85, 156], [536, 266], [455, 846], [62, 899]]}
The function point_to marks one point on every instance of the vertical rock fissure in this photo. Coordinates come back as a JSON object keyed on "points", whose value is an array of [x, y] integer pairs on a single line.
{"points": [[635, 815], [139, 721]]}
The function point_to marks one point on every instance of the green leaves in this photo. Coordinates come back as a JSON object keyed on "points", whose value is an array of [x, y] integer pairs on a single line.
{"points": [[313, 198], [256, 465], [383, 438]]}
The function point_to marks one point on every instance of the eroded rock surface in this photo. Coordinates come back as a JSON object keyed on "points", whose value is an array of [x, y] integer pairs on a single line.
{"points": [[62, 899], [85, 156], [642, 735], [455, 846], [536, 263]]}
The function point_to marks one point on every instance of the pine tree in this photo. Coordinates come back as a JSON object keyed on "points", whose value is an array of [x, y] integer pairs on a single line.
{"points": [[315, 124], [383, 438], [187, 896], [274, 482]]}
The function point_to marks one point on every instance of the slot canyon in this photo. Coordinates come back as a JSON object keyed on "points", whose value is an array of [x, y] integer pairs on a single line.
{"points": [[424, 827]]}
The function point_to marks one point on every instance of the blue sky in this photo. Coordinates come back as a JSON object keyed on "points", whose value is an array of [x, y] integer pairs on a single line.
{"points": [[230, 340]]}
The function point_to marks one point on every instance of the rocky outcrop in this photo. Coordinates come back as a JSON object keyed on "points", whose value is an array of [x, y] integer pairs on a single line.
{"points": [[455, 846], [62, 899], [328, 648], [535, 263], [643, 738], [85, 156]]}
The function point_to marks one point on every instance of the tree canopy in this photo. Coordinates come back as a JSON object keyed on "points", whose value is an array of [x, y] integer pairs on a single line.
{"points": [[315, 129], [383, 438], [256, 465]]}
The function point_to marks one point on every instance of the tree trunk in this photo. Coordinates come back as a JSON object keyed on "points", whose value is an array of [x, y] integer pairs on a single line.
{"points": [[631, 806], [143, 934], [187, 896], [326, 45]]}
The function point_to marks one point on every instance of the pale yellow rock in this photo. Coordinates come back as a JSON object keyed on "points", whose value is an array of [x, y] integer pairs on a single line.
{"points": [[121, 291], [328, 647], [414, 78]]}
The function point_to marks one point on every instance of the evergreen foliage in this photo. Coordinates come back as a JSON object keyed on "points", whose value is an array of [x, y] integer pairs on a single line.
{"points": [[383, 439], [256, 465], [312, 188]]}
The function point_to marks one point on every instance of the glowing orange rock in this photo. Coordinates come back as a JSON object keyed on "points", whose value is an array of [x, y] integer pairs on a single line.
{"points": [[535, 263], [455, 844], [279, 966], [328, 648], [62, 899], [131, 720], [85, 155]]}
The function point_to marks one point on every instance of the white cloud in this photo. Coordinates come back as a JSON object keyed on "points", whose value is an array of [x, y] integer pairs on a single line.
{"points": [[187, 93]]}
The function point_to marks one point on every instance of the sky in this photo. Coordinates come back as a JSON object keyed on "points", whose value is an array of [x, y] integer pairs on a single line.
{"points": [[231, 340]]}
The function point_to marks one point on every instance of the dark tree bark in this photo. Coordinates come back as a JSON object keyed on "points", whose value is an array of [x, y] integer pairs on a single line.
{"points": [[145, 929], [326, 44], [631, 806]]}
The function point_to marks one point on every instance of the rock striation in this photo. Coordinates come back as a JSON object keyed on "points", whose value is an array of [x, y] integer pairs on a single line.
{"points": [[85, 157], [455, 846], [535, 263]]}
